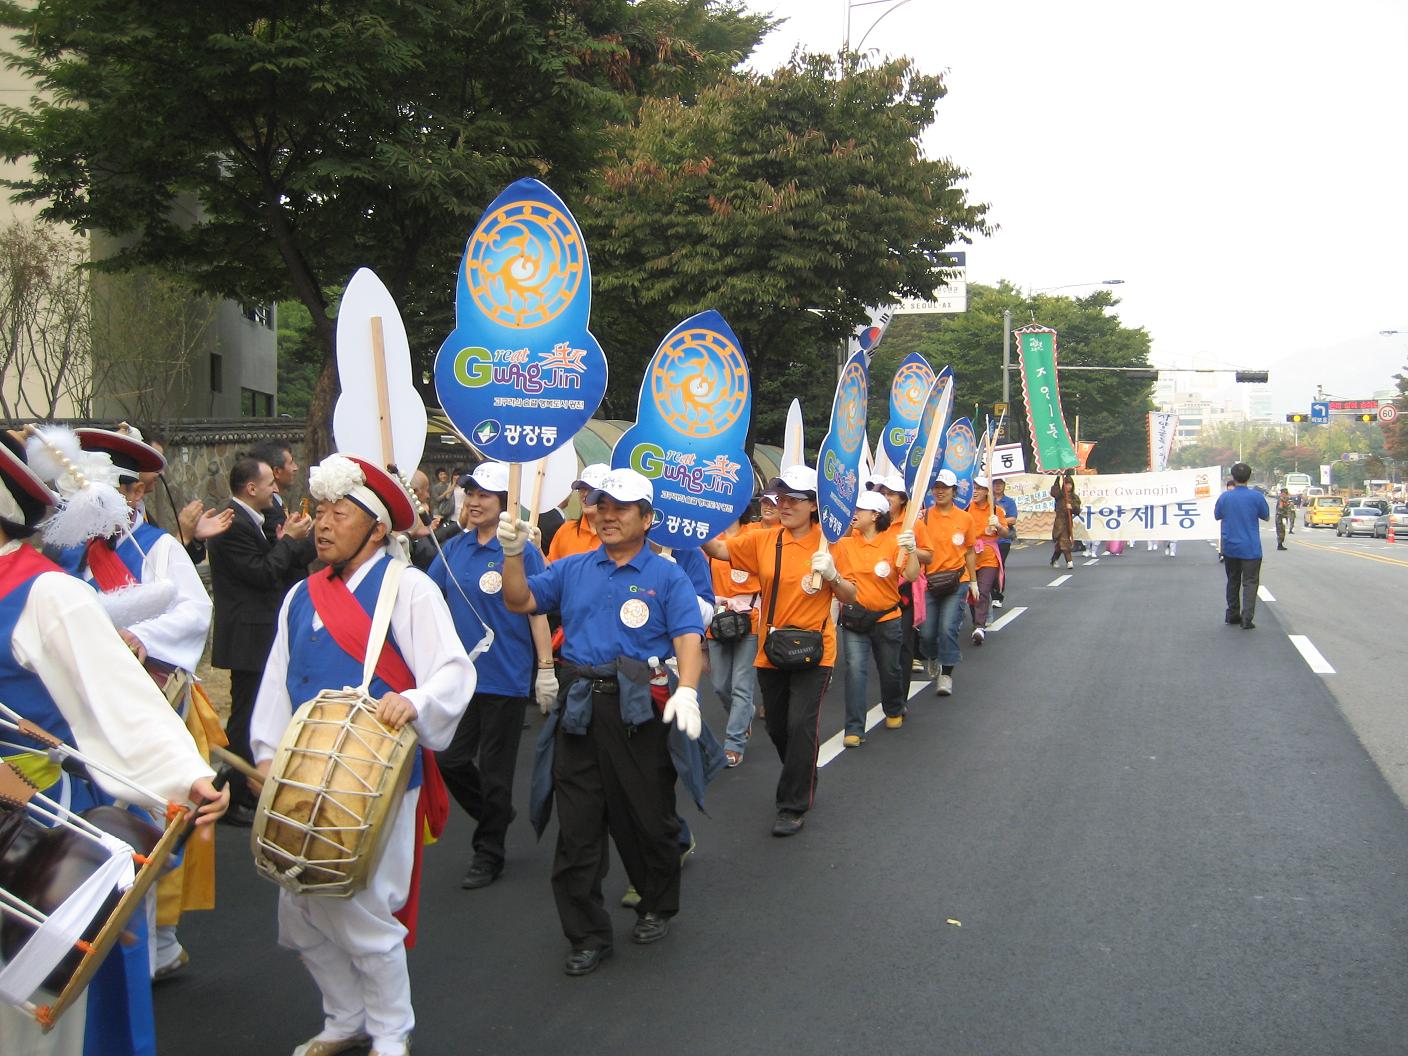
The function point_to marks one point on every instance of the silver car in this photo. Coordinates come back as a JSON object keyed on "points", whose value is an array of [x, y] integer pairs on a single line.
{"points": [[1396, 516], [1357, 520]]}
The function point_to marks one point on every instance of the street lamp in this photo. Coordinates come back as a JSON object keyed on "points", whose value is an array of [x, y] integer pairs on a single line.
{"points": [[850, 4], [1073, 285]]}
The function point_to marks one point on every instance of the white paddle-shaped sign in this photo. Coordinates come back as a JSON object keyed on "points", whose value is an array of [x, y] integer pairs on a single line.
{"points": [[379, 416]]}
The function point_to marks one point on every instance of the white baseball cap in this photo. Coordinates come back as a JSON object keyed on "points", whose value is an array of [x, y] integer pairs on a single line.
{"points": [[491, 476], [623, 485], [980, 482], [872, 500], [769, 496], [799, 481], [592, 476], [947, 477], [894, 482], [874, 480]]}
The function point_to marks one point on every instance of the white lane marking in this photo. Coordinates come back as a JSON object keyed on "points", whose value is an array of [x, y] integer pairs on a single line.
{"points": [[1058, 581], [1092, 561], [1317, 662], [1007, 618], [836, 745], [1263, 593]]}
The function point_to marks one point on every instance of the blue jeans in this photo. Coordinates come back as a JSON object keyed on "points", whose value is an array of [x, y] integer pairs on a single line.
{"points": [[731, 671], [943, 619], [883, 642]]}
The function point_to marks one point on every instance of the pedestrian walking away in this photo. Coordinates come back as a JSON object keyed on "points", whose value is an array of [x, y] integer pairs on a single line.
{"points": [[1239, 508]]}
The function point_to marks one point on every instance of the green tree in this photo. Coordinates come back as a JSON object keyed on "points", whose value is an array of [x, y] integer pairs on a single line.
{"points": [[788, 202], [264, 152], [1112, 408], [1396, 432]]}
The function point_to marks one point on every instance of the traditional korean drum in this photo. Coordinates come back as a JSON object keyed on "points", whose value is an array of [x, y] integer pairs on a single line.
{"points": [[52, 894], [332, 793]]}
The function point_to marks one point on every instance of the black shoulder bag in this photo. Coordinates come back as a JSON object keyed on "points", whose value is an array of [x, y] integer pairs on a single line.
{"points": [[790, 648]]}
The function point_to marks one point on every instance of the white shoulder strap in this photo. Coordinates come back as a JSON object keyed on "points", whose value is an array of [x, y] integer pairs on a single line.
{"points": [[381, 619]]}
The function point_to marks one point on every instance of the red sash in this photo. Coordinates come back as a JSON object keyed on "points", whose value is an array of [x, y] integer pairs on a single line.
{"points": [[350, 627], [19, 568], [108, 570]]}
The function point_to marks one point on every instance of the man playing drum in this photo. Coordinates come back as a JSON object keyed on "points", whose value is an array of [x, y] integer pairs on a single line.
{"points": [[65, 669], [354, 947], [625, 610]]}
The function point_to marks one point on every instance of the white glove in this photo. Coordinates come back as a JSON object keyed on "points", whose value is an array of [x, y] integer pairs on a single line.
{"points": [[824, 566], [683, 710], [513, 534], [545, 689], [907, 543], [973, 592], [993, 525]]}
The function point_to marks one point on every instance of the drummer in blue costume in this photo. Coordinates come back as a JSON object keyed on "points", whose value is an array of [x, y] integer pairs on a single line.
{"points": [[470, 574], [355, 947], [610, 753], [65, 668]]}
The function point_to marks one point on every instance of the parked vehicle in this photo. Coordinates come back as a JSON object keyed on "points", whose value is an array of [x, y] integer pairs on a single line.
{"points": [[1357, 520], [1323, 511], [1396, 516]]}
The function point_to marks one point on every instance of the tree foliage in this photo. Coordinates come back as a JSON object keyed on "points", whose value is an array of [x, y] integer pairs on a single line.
{"points": [[264, 152], [1112, 408], [1275, 450], [788, 202], [1396, 432], [45, 332]]}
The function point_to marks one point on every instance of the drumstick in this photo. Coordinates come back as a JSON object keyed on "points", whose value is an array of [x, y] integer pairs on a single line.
{"points": [[222, 778], [234, 762]]}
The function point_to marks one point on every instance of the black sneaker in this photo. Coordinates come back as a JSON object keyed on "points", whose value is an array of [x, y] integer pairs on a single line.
{"points": [[788, 823], [481, 873]]}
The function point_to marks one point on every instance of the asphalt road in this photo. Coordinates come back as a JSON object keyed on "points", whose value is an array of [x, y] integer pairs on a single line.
{"points": [[1132, 829]]}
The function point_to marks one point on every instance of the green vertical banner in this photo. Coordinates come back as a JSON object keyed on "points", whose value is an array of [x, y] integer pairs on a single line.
{"points": [[1051, 443]]}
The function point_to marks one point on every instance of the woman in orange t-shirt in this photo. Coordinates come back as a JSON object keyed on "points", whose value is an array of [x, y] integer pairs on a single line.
{"points": [[893, 488], [868, 558], [951, 537], [579, 536], [791, 699], [731, 662]]}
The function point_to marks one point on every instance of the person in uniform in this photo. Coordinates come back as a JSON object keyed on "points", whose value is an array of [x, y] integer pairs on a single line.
{"points": [[952, 535], [579, 536], [354, 948], [993, 527], [895, 491], [64, 668], [784, 559], [731, 661], [606, 757], [518, 665], [1006, 507], [169, 643], [1285, 517], [870, 558]]}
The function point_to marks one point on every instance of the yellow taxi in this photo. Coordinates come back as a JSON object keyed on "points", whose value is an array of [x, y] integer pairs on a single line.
{"points": [[1323, 511]]}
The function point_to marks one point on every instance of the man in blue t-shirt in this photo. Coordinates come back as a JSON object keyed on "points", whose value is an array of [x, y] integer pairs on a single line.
{"points": [[1239, 509]]}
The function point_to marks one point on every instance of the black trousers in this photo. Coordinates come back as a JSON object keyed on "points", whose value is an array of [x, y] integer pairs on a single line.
{"points": [[618, 781], [908, 637], [793, 702], [1003, 549], [1243, 576], [488, 734], [244, 687]]}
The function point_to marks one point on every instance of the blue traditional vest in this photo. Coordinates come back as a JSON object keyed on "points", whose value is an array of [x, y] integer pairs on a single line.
{"points": [[316, 662]]}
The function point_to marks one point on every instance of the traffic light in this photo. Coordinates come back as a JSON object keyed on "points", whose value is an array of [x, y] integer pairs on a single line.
{"points": [[1254, 377], [1298, 418], [1366, 417]]}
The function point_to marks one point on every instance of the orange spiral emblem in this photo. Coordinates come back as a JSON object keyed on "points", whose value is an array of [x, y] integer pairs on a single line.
{"points": [[699, 383], [524, 264]]}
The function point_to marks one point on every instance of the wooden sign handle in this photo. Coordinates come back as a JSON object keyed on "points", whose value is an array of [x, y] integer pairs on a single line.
{"points": [[816, 576], [383, 393], [540, 470], [515, 487]]}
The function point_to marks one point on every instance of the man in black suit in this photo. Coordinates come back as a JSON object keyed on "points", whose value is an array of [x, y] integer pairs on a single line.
{"points": [[250, 575], [279, 456]]}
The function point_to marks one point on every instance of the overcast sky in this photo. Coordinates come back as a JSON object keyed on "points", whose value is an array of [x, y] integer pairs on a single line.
{"points": [[1242, 165]]}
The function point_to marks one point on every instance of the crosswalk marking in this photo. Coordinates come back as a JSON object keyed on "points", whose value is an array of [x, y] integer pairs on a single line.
{"points": [[1312, 655]]}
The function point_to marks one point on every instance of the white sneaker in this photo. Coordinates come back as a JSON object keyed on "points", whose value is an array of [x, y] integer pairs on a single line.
{"points": [[978, 635], [944, 686], [997, 603], [1070, 563]]}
